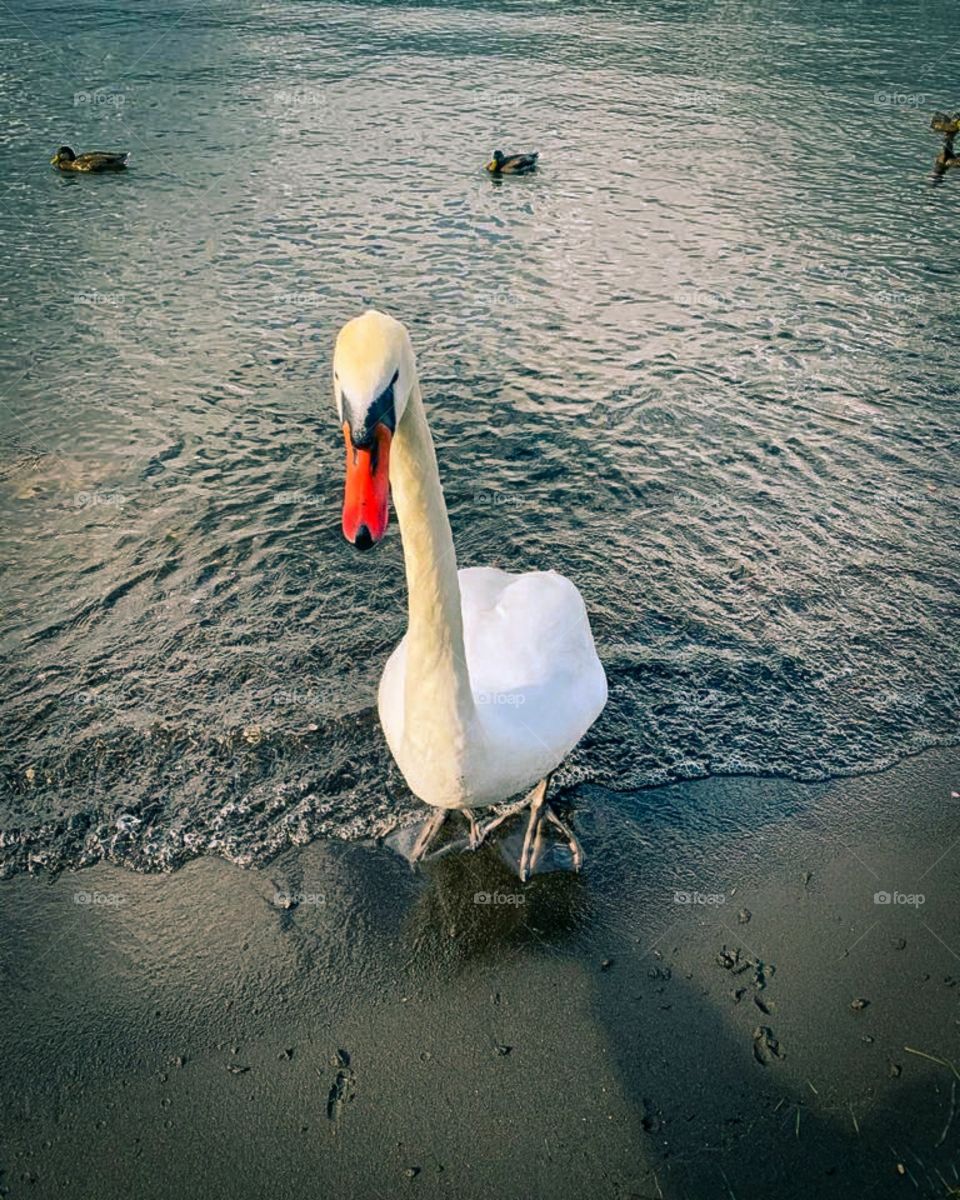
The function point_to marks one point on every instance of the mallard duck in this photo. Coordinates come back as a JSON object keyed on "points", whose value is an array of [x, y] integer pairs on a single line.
{"points": [[512, 164], [95, 160], [943, 123]]}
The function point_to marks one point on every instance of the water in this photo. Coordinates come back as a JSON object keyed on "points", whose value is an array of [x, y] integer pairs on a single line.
{"points": [[703, 363]]}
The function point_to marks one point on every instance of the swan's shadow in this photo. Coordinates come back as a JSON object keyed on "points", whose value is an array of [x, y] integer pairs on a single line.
{"points": [[473, 908]]}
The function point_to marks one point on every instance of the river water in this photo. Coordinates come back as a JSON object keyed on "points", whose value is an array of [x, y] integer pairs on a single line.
{"points": [[703, 362]]}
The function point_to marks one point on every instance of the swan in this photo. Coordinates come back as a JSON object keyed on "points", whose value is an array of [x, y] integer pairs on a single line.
{"points": [[497, 677]]}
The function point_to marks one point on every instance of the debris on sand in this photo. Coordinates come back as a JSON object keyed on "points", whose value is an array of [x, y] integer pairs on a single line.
{"points": [[236, 1070], [412, 1172], [743, 916], [503, 1051], [733, 960], [859, 1004], [944, 1062]]}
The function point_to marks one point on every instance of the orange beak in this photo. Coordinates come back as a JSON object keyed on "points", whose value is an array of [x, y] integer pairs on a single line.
{"points": [[366, 496]]}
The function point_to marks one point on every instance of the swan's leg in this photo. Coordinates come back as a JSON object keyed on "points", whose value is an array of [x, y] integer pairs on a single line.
{"points": [[512, 811], [575, 847], [430, 830], [531, 842], [539, 845], [475, 835]]}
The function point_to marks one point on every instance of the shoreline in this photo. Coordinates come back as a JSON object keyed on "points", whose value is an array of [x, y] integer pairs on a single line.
{"points": [[36, 851]]}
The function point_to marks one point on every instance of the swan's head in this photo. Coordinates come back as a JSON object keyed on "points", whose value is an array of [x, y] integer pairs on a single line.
{"points": [[373, 374]]}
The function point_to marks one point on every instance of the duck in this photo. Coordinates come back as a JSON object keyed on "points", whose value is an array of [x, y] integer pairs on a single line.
{"points": [[497, 677], [943, 123], [512, 164], [94, 160]]}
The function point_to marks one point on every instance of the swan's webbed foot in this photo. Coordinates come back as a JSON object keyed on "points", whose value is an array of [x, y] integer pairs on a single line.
{"points": [[431, 829], [533, 842]]}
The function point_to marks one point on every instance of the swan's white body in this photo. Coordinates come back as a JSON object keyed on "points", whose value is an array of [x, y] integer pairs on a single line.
{"points": [[497, 677], [536, 684]]}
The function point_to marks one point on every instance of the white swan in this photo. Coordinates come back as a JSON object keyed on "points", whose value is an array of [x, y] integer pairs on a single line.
{"points": [[497, 678]]}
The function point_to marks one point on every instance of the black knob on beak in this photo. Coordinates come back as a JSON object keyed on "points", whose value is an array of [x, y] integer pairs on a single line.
{"points": [[363, 540]]}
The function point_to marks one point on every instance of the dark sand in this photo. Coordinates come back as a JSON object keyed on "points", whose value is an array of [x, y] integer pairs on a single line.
{"points": [[178, 1035]]}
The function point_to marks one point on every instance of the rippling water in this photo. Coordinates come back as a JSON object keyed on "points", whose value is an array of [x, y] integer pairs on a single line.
{"points": [[704, 363]]}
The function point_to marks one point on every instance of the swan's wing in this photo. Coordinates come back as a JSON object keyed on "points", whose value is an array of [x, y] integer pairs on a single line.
{"points": [[525, 633], [534, 672]]}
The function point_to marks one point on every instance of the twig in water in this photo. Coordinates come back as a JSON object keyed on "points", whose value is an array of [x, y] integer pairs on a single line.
{"points": [[950, 1115], [853, 1116], [812, 1088]]}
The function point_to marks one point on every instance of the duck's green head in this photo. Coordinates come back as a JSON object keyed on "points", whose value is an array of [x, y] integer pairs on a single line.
{"points": [[63, 155], [496, 162]]}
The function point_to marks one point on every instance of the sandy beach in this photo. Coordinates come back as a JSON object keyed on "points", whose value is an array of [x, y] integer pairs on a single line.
{"points": [[728, 1012]]}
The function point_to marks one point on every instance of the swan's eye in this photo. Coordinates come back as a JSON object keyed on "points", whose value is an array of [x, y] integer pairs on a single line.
{"points": [[381, 412]]}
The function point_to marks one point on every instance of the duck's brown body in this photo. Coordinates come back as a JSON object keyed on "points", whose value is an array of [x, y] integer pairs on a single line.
{"points": [[512, 164], [94, 160], [947, 158]]}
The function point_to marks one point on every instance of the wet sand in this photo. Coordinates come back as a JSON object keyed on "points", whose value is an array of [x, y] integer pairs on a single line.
{"points": [[336, 1024]]}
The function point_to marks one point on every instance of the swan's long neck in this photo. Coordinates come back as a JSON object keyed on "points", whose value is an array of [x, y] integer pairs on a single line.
{"points": [[438, 705]]}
